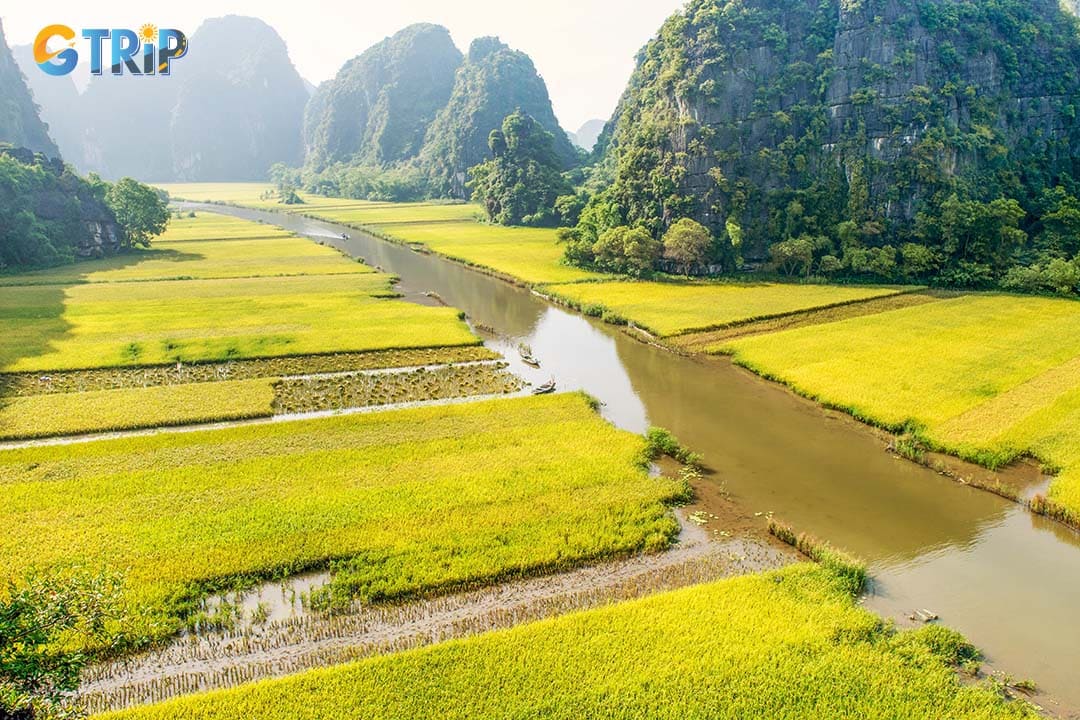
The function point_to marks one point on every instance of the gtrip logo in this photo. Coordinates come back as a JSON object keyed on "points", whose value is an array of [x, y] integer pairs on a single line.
{"points": [[146, 52]]}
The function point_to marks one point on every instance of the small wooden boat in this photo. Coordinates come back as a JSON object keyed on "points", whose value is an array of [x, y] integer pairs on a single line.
{"points": [[527, 357], [548, 387]]}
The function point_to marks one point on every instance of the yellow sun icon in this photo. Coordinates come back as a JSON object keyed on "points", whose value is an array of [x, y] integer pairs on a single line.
{"points": [[148, 33]]}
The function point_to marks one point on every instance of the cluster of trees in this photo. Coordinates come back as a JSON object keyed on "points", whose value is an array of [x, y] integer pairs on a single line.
{"points": [[49, 214], [963, 243], [928, 168], [521, 182], [686, 247]]}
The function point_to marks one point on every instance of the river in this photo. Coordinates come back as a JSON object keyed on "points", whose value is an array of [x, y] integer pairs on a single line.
{"points": [[1007, 579]]}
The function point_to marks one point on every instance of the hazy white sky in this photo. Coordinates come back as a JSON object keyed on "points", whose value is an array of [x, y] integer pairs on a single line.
{"points": [[583, 48]]}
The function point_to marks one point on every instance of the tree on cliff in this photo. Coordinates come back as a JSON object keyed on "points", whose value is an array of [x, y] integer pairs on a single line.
{"points": [[522, 180], [936, 140]]}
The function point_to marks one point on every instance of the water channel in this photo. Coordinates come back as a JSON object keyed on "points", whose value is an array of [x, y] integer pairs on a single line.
{"points": [[1009, 580]]}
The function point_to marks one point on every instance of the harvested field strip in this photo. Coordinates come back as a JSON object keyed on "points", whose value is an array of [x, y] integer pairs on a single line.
{"points": [[22, 384], [221, 660], [787, 644], [409, 501], [58, 414], [679, 307], [53, 415], [309, 394]]}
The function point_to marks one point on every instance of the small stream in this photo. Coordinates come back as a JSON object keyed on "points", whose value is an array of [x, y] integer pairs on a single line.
{"points": [[1007, 579]]}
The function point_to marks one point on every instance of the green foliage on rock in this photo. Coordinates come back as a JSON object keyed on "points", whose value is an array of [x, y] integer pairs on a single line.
{"points": [[49, 215], [44, 210], [897, 139], [522, 181]]}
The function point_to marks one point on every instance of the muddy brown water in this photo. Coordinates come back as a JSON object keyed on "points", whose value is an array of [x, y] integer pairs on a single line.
{"points": [[1009, 580]]}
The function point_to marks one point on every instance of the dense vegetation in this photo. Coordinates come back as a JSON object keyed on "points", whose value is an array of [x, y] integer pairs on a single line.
{"points": [[19, 121], [521, 182], [909, 140], [787, 644], [50, 215]]}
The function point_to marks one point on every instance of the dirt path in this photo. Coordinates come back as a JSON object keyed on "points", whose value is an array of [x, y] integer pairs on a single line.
{"points": [[301, 642]]}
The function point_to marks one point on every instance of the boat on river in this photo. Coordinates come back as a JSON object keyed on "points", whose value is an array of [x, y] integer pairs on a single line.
{"points": [[548, 387], [527, 357]]}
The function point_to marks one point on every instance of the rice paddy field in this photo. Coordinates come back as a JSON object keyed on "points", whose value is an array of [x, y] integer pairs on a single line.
{"points": [[246, 290], [407, 501], [987, 377], [674, 308], [43, 328], [75, 413], [529, 255], [788, 644]]}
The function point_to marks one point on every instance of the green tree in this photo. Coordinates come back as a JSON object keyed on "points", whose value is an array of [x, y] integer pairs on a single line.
{"points": [[40, 617], [632, 251], [981, 233], [793, 257], [1059, 224], [687, 243], [521, 182], [139, 211]]}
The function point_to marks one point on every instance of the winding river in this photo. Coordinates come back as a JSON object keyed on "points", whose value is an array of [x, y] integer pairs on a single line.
{"points": [[1007, 579]]}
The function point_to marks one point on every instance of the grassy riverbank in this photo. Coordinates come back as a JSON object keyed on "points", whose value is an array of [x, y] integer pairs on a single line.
{"points": [[986, 377]]}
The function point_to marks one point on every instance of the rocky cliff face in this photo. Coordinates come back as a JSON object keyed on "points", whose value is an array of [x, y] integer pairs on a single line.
{"points": [[861, 110], [20, 124], [494, 81], [379, 106]]}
